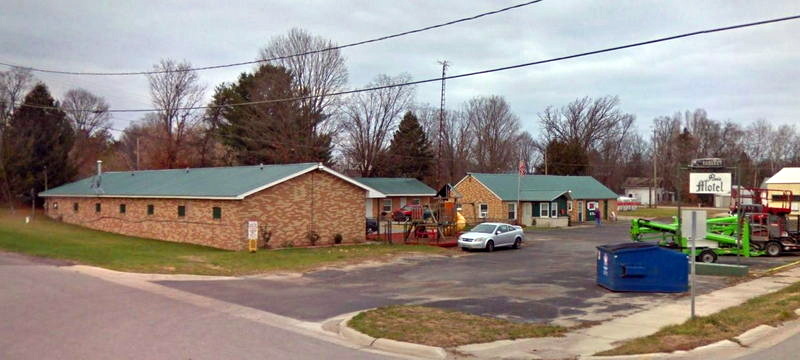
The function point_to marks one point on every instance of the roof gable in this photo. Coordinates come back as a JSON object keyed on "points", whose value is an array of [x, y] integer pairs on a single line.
{"points": [[235, 182], [544, 187], [398, 186], [787, 175]]}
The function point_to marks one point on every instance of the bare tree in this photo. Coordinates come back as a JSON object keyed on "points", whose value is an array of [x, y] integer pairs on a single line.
{"points": [[86, 112], [528, 151], [759, 136], [174, 92], [317, 74], [14, 84], [587, 122], [496, 132], [89, 117], [369, 120]]}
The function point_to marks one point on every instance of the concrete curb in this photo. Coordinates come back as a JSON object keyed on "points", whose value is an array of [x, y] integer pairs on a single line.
{"points": [[388, 345], [745, 340], [750, 337]]}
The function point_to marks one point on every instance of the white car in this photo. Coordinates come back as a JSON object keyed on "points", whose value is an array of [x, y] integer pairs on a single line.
{"points": [[490, 235]]}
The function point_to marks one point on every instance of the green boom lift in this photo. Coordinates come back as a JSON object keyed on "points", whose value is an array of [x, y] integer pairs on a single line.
{"points": [[720, 231]]}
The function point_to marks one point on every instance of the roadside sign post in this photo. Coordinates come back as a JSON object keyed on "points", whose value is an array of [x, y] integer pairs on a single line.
{"points": [[694, 224], [252, 235]]}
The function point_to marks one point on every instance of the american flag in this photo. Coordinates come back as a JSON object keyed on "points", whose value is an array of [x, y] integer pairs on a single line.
{"points": [[522, 167]]}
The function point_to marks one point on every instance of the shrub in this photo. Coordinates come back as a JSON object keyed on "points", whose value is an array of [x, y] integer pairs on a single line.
{"points": [[337, 239], [312, 237]]}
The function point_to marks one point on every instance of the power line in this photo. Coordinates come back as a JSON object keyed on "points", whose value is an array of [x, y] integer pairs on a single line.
{"points": [[386, 37], [449, 77]]}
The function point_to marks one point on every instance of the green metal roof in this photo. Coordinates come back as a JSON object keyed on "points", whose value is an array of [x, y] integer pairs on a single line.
{"points": [[544, 187], [218, 182], [540, 195], [398, 186]]}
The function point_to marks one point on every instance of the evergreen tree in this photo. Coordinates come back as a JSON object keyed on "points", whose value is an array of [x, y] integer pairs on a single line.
{"points": [[269, 133], [565, 158], [409, 153], [38, 140]]}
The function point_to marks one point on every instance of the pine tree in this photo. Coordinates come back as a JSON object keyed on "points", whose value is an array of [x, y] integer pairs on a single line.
{"points": [[270, 133], [409, 154], [38, 140]]}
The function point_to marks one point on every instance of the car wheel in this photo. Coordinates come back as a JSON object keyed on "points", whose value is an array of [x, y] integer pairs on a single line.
{"points": [[517, 243], [773, 248], [464, 249], [707, 256], [490, 246]]}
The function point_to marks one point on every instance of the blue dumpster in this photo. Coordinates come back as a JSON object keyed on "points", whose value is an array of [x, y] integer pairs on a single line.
{"points": [[642, 267]]}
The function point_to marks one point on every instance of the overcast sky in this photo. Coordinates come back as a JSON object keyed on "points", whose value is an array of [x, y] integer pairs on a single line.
{"points": [[739, 75]]}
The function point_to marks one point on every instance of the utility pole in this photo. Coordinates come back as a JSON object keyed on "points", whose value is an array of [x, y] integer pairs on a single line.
{"points": [[137, 153], [33, 203], [439, 171], [655, 183], [45, 178]]}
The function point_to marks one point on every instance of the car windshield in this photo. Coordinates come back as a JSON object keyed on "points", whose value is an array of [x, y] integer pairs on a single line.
{"points": [[484, 228]]}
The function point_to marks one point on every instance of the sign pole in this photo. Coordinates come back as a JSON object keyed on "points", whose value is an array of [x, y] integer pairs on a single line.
{"points": [[693, 257]]}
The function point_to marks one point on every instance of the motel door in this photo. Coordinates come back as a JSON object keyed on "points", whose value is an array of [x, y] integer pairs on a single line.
{"points": [[580, 211], [369, 208]]}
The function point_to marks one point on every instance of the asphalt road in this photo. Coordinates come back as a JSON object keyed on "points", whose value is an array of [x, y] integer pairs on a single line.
{"points": [[551, 278], [786, 350], [48, 312]]}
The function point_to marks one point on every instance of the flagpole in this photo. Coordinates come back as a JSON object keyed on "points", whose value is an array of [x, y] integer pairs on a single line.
{"points": [[518, 210]]}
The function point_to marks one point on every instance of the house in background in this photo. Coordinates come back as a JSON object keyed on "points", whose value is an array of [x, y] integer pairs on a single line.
{"points": [[544, 200], [214, 206], [641, 188], [787, 178], [397, 192]]}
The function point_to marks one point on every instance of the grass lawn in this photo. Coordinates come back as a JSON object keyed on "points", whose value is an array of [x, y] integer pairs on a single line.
{"points": [[770, 309], [662, 212], [445, 328], [48, 238]]}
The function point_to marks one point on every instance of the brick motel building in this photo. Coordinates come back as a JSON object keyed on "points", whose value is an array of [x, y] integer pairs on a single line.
{"points": [[213, 206]]}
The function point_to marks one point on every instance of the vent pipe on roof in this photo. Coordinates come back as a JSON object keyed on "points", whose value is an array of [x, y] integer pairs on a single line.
{"points": [[261, 166], [187, 170], [99, 167]]}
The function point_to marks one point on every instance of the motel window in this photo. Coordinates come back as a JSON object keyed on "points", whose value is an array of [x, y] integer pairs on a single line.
{"points": [[216, 212], [512, 211], [484, 211], [121, 208], [181, 211], [97, 207], [544, 209], [569, 206], [74, 207], [151, 209], [387, 205]]}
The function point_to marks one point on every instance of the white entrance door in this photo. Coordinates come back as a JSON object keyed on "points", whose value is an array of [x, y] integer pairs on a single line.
{"points": [[527, 209], [580, 211], [369, 208]]}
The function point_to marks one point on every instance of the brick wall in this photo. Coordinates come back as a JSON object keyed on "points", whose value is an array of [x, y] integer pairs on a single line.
{"points": [[315, 201], [474, 193]]}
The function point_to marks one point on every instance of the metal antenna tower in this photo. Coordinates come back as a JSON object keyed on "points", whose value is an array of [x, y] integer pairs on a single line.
{"points": [[439, 181]]}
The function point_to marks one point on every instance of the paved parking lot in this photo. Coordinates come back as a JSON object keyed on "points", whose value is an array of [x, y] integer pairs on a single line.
{"points": [[552, 278]]}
